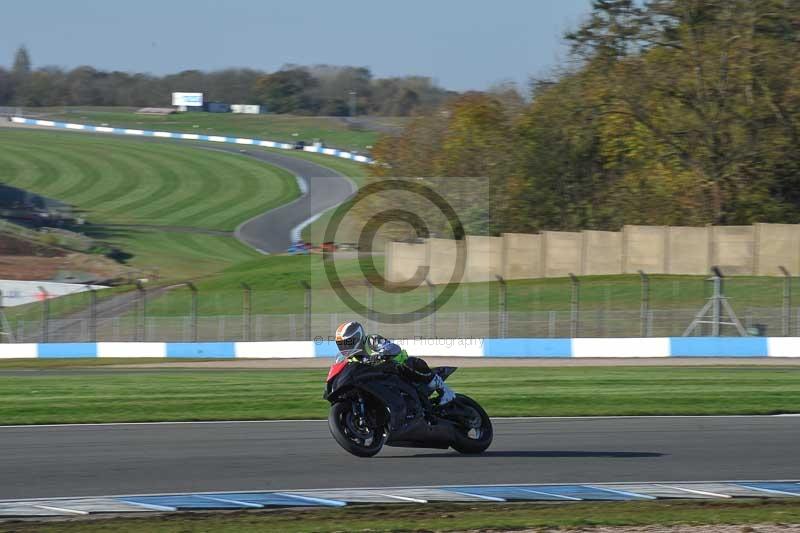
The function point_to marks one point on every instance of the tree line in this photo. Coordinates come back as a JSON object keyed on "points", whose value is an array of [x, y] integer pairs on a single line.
{"points": [[314, 90], [679, 112]]}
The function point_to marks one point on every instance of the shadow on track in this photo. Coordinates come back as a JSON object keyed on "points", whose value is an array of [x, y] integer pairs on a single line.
{"points": [[539, 453]]}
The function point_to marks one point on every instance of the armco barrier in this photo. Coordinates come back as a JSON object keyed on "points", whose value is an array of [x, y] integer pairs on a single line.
{"points": [[544, 348], [189, 137]]}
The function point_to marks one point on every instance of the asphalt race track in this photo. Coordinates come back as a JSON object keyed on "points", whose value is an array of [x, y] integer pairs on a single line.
{"points": [[54, 461], [270, 232]]}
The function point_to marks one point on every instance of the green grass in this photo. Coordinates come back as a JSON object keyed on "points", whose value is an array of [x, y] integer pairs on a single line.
{"points": [[276, 284], [189, 394], [128, 181], [332, 131], [445, 517], [113, 181], [183, 256]]}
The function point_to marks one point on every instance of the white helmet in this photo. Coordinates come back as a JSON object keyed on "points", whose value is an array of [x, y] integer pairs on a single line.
{"points": [[350, 338]]}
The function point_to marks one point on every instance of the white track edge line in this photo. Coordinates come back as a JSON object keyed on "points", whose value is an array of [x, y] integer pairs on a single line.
{"points": [[695, 491], [320, 420]]}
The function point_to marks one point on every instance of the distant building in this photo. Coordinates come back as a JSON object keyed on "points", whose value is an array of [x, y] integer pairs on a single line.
{"points": [[248, 109], [188, 101], [217, 107]]}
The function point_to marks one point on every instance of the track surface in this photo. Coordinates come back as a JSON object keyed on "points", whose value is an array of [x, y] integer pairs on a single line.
{"points": [[48, 461], [270, 232]]}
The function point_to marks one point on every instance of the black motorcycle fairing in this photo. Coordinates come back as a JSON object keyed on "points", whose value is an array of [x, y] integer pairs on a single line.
{"points": [[402, 402], [444, 371], [382, 383]]}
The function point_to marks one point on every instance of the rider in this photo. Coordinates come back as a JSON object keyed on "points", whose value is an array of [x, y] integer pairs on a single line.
{"points": [[353, 341]]}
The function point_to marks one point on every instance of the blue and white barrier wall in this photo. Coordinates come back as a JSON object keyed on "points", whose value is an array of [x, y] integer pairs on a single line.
{"points": [[543, 348], [189, 137]]}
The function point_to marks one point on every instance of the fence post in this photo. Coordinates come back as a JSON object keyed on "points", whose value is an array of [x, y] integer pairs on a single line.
{"points": [[6, 331], [574, 318], [502, 315], [45, 314], [371, 326], [141, 312], [644, 308], [193, 318], [787, 300], [307, 310], [432, 305], [92, 314], [247, 312]]}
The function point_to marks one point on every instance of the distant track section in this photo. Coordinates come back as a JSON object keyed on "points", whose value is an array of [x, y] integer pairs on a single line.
{"points": [[189, 137], [321, 189], [273, 231]]}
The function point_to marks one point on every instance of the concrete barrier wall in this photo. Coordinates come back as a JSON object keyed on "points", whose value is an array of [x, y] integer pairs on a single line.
{"points": [[522, 256], [403, 261], [442, 259], [562, 253], [737, 250], [602, 253], [477, 347], [777, 245], [733, 249], [644, 248], [484, 258], [688, 250]]}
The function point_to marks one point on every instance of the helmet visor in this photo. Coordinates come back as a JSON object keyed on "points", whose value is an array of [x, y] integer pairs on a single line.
{"points": [[349, 346]]}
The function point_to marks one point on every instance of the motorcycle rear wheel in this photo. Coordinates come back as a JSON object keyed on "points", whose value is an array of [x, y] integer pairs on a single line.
{"points": [[356, 439], [476, 433]]}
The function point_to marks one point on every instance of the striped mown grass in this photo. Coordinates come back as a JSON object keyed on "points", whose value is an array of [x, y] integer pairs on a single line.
{"points": [[130, 181]]}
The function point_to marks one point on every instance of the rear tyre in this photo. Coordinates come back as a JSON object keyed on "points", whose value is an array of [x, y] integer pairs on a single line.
{"points": [[362, 438], [475, 429]]}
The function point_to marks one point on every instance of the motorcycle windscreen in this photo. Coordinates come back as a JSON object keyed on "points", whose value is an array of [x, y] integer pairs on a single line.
{"points": [[337, 366]]}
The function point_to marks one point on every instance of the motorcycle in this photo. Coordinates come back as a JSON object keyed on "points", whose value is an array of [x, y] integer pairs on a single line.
{"points": [[372, 405]]}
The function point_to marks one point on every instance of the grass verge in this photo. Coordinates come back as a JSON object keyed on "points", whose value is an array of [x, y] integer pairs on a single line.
{"points": [[287, 128], [447, 517], [131, 181], [127, 395]]}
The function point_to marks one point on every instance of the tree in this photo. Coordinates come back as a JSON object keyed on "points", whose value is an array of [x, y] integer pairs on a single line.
{"points": [[6, 87], [682, 112], [22, 63], [285, 91]]}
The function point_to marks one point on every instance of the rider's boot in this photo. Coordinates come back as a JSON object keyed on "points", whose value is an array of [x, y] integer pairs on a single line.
{"points": [[446, 393]]}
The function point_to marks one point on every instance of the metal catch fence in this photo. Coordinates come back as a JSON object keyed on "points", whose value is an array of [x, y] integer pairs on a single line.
{"points": [[588, 307]]}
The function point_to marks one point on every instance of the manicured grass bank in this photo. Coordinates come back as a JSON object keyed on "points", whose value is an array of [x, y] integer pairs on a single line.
{"points": [[130, 181], [126, 395]]}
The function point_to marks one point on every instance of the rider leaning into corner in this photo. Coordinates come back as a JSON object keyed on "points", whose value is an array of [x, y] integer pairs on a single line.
{"points": [[354, 343]]}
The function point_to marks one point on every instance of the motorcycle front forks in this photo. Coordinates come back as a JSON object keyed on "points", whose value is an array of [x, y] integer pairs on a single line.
{"points": [[360, 411]]}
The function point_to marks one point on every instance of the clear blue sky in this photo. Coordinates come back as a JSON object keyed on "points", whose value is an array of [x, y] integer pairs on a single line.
{"points": [[466, 44]]}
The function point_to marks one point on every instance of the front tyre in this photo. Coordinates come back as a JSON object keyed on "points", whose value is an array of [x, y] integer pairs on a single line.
{"points": [[358, 435], [475, 430]]}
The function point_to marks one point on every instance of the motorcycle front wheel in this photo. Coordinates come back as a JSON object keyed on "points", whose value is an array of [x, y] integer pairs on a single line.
{"points": [[475, 432], [355, 433]]}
